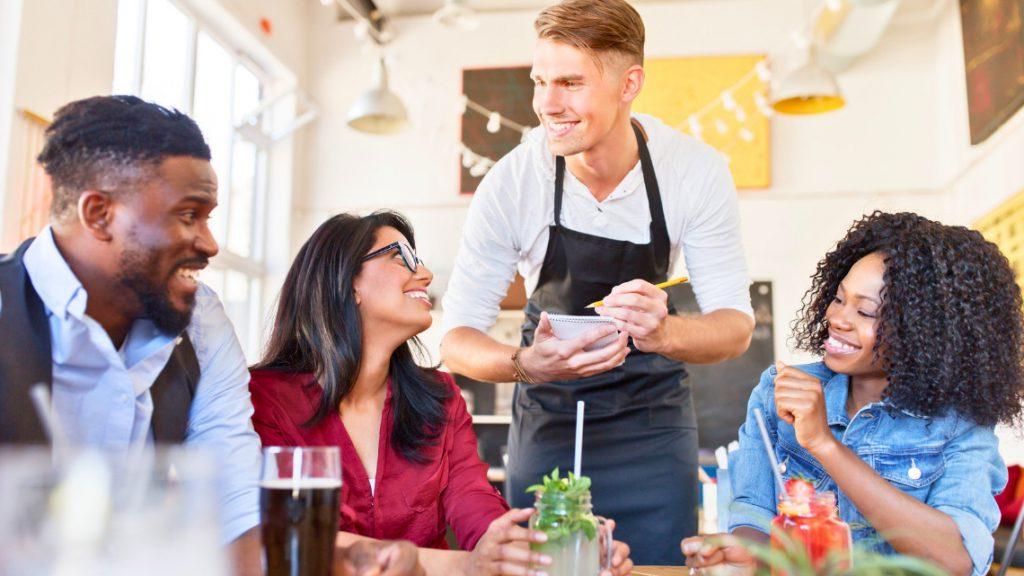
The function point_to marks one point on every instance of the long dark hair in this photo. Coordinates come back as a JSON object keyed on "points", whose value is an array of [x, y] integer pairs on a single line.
{"points": [[950, 330], [318, 330]]}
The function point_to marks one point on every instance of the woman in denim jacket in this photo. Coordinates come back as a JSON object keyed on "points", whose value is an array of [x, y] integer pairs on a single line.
{"points": [[921, 331]]}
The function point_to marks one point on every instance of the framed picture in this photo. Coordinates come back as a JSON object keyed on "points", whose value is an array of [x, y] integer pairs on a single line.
{"points": [[993, 35]]}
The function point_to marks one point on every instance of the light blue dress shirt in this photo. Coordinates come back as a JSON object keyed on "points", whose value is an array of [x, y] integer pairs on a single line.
{"points": [[101, 393]]}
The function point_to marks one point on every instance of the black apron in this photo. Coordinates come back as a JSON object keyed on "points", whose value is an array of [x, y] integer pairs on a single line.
{"points": [[640, 430]]}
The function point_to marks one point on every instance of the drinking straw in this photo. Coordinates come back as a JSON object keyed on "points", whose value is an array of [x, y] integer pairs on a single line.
{"points": [[40, 394], [296, 471], [771, 453], [579, 438]]}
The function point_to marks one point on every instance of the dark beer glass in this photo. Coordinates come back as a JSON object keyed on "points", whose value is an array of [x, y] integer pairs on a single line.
{"points": [[299, 492]]}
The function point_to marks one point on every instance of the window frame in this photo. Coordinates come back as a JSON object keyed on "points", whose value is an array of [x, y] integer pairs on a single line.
{"points": [[253, 267]]}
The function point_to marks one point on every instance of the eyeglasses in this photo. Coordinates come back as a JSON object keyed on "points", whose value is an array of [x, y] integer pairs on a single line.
{"points": [[408, 255]]}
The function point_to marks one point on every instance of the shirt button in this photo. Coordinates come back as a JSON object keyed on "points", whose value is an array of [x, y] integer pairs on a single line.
{"points": [[868, 415], [601, 220], [782, 468], [124, 398]]}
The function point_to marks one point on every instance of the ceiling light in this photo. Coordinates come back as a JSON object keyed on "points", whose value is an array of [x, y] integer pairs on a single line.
{"points": [[457, 14], [807, 88], [378, 110]]}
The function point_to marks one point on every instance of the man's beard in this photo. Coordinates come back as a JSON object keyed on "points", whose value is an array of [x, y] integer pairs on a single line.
{"points": [[139, 273]]}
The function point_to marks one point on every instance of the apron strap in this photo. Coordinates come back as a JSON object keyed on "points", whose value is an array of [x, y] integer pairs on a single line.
{"points": [[659, 230], [559, 181]]}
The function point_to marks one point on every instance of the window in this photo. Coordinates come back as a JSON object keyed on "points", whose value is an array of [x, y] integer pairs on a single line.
{"points": [[166, 55]]}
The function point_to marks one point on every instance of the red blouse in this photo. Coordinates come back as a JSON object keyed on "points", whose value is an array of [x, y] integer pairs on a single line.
{"points": [[410, 501]]}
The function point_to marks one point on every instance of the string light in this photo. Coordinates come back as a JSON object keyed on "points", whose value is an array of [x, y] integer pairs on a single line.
{"points": [[493, 122], [694, 123], [764, 73], [728, 102]]}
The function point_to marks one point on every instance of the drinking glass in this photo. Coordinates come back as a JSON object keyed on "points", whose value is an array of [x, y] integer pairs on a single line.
{"points": [[300, 488]]}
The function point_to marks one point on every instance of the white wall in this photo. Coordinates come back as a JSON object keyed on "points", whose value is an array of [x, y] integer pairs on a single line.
{"points": [[10, 19], [884, 150]]}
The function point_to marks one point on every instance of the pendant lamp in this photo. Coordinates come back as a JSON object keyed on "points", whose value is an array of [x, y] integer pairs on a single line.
{"points": [[807, 88], [378, 110]]}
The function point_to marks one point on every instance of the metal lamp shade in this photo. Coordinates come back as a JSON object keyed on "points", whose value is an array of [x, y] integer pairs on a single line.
{"points": [[378, 110], [806, 89]]}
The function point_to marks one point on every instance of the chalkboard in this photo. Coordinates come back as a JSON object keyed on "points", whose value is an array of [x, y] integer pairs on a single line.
{"points": [[721, 390]]}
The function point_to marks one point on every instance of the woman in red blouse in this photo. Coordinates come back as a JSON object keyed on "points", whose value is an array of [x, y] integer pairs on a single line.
{"points": [[339, 371]]}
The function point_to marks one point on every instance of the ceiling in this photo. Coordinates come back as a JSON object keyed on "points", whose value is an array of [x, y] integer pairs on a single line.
{"points": [[395, 8]]}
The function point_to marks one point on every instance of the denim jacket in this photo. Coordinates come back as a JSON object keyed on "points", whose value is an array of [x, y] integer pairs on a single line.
{"points": [[947, 462]]}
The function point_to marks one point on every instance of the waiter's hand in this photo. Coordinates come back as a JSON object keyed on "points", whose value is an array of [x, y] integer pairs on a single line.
{"points": [[639, 309], [374, 558], [551, 359]]}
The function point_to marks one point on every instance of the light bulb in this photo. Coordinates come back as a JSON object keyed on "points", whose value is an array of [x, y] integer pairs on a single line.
{"points": [[694, 122], [494, 122], [721, 126], [764, 73], [728, 101], [746, 135]]}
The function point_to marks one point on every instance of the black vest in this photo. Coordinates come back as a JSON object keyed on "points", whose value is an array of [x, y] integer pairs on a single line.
{"points": [[26, 359]]}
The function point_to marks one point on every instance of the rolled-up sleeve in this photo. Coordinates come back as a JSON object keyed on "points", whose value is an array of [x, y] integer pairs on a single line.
{"points": [[488, 253], [470, 502], [713, 246], [220, 417], [966, 491], [750, 472]]}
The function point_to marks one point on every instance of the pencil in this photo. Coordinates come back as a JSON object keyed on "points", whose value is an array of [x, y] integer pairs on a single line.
{"points": [[663, 285]]}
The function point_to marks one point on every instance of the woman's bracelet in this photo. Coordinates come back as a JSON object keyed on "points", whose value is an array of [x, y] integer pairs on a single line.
{"points": [[517, 368]]}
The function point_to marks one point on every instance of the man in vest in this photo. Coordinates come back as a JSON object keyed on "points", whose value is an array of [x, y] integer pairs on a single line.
{"points": [[105, 308]]}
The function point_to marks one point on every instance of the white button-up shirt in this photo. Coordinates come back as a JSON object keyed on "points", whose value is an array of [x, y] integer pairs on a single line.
{"points": [[507, 225], [101, 393]]}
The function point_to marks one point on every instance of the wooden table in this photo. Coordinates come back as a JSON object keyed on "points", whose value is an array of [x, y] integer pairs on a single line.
{"points": [[660, 571], [682, 571]]}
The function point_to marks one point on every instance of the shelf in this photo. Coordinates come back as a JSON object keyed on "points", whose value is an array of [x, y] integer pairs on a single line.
{"points": [[505, 419]]}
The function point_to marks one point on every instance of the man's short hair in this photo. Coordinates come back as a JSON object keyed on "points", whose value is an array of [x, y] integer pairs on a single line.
{"points": [[594, 26], [107, 142]]}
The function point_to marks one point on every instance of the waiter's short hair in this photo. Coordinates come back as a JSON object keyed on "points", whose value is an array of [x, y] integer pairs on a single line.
{"points": [[595, 27], [102, 143]]}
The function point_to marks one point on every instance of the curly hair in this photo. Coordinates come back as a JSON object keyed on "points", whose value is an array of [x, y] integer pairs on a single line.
{"points": [[950, 326], [102, 143]]}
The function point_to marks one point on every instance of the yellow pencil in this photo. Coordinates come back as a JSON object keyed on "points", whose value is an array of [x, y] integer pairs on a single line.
{"points": [[663, 285]]}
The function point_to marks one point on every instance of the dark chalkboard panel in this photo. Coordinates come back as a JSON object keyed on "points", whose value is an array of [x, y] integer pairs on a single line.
{"points": [[721, 390]]}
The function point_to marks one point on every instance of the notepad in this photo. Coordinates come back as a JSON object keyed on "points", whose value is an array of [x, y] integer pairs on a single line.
{"points": [[567, 327]]}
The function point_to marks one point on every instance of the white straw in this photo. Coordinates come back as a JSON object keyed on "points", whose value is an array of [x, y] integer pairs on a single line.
{"points": [[771, 453], [296, 471], [40, 394], [579, 438]]}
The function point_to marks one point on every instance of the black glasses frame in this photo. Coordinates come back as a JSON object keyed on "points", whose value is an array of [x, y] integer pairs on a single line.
{"points": [[408, 254]]}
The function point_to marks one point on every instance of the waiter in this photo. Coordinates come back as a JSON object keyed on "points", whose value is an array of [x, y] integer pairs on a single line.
{"points": [[599, 204]]}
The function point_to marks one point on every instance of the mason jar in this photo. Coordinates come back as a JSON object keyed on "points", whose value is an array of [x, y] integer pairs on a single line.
{"points": [[579, 543]]}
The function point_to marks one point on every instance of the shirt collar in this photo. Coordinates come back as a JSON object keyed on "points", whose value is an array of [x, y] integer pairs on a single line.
{"points": [[837, 388], [544, 161], [57, 286]]}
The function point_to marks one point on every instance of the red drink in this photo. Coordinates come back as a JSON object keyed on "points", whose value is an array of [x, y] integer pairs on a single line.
{"points": [[811, 521]]}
